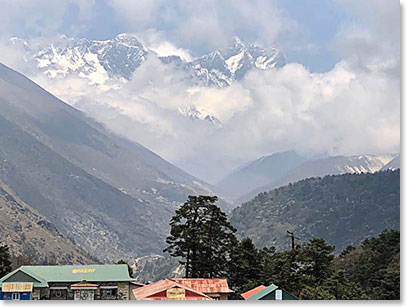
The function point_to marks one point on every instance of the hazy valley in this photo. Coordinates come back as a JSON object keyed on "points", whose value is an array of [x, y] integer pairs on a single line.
{"points": [[114, 197]]}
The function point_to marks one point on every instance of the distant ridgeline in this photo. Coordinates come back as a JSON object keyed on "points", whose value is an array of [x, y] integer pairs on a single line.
{"points": [[342, 209]]}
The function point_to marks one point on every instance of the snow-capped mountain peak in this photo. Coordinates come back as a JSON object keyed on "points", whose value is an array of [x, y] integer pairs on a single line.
{"points": [[241, 57], [364, 163], [119, 57], [193, 113], [108, 64], [129, 41], [235, 62], [236, 47], [94, 60]]}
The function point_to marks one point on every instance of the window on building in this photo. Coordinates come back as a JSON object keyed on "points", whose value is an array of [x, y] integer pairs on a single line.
{"points": [[108, 293], [279, 294], [15, 296], [58, 294]]}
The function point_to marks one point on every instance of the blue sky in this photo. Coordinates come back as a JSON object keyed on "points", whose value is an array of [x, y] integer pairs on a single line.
{"points": [[319, 21]]}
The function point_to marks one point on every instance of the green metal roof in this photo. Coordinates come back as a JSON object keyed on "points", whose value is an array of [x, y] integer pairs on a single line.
{"points": [[72, 273], [263, 292], [22, 276]]}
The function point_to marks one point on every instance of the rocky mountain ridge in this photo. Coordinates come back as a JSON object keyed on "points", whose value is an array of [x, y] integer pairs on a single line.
{"points": [[114, 197], [259, 172], [321, 167], [32, 236], [117, 59]]}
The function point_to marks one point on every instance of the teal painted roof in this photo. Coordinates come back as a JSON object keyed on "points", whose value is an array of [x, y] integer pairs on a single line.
{"points": [[263, 292], [24, 276], [73, 273]]}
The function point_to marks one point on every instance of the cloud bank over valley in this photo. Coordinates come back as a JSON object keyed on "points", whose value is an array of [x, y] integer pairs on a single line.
{"points": [[210, 129]]}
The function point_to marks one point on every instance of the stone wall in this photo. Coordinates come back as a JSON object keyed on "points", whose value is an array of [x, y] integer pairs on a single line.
{"points": [[123, 291], [36, 294]]}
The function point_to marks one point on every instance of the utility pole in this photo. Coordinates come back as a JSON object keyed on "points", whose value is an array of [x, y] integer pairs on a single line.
{"points": [[291, 235], [292, 258]]}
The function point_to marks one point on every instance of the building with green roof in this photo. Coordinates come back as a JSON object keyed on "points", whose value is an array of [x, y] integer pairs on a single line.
{"points": [[272, 292], [68, 282]]}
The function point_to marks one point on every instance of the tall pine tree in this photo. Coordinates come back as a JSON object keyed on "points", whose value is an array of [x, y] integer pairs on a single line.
{"points": [[201, 237], [245, 266], [315, 259]]}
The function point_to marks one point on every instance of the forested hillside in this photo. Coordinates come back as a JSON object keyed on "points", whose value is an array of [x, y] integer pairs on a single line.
{"points": [[342, 209], [205, 246], [337, 165]]}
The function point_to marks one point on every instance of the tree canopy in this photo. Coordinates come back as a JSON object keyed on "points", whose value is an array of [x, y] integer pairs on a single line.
{"points": [[201, 237], [312, 272], [205, 243], [375, 265]]}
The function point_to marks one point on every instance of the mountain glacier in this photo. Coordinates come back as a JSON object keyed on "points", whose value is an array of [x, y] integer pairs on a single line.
{"points": [[117, 59], [110, 64]]}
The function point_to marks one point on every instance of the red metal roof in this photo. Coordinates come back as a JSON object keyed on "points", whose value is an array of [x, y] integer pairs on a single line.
{"points": [[252, 292], [156, 291], [137, 283], [205, 285]]}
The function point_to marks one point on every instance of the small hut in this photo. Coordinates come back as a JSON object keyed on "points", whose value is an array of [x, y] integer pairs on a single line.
{"points": [[271, 292]]}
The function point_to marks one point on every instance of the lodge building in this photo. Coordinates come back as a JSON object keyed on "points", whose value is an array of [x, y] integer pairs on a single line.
{"points": [[191, 289], [68, 282], [103, 282], [272, 292], [215, 288]]}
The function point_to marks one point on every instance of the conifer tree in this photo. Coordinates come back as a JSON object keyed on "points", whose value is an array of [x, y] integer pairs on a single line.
{"points": [[315, 260], [375, 266], [245, 266], [336, 287], [5, 263], [201, 237]]}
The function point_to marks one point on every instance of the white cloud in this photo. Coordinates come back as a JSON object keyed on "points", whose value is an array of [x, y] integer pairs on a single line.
{"points": [[138, 14], [372, 38], [10, 55], [156, 41], [344, 111], [352, 109], [168, 49], [203, 23]]}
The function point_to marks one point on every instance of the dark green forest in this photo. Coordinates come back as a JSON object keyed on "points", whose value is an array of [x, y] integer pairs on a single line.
{"points": [[311, 271], [342, 209], [205, 243]]}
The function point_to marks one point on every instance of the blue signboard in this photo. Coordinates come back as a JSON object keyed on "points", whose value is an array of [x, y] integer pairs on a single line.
{"points": [[20, 296]]}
